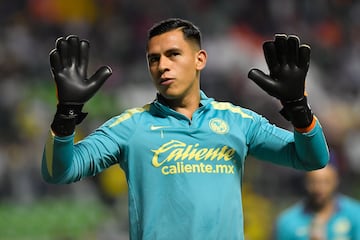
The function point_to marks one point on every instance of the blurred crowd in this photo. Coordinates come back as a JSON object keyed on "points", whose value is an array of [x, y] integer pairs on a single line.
{"points": [[233, 32]]}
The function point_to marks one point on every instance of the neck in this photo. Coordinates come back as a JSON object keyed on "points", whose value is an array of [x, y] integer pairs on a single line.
{"points": [[324, 212], [186, 106]]}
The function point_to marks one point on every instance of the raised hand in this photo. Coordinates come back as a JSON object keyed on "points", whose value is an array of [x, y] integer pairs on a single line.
{"points": [[69, 63], [288, 64]]}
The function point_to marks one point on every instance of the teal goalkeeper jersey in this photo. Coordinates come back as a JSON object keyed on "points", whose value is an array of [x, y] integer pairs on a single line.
{"points": [[184, 176], [344, 224]]}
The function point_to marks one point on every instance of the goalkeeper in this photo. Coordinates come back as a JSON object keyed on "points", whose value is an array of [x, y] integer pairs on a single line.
{"points": [[184, 153]]}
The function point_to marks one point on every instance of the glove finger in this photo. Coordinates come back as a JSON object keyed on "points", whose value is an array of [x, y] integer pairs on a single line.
{"points": [[73, 43], [262, 80], [293, 50], [84, 57], [63, 49], [304, 57], [55, 61], [99, 78], [281, 48], [270, 56]]}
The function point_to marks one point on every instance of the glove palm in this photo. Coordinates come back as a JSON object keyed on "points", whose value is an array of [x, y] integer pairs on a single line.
{"points": [[69, 63], [288, 64]]}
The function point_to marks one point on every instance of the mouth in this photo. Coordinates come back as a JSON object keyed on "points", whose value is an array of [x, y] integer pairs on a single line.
{"points": [[165, 81]]}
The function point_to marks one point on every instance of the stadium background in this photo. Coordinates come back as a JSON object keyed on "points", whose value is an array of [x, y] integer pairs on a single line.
{"points": [[233, 32]]}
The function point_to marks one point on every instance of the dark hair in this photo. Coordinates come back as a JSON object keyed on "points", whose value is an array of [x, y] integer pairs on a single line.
{"points": [[190, 31]]}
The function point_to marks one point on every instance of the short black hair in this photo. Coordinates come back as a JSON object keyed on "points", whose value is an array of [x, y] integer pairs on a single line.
{"points": [[190, 31]]}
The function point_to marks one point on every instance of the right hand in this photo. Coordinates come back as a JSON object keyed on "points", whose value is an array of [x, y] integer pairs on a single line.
{"points": [[69, 62]]}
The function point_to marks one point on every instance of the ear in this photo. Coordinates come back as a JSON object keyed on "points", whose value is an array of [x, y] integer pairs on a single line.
{"points": [[201, 57]]}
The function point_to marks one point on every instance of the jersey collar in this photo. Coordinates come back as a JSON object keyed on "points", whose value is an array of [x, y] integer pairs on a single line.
{"points": [[158, 107]]}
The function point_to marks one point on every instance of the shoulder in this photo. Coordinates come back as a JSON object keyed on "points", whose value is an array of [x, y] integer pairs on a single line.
{"points": [[291, 213], [131, 115], [232, 109], [292, 222], [349, 203]]}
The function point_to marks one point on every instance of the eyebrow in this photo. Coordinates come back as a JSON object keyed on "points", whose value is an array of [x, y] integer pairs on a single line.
{"points": [[151, 55], [175, 49]]}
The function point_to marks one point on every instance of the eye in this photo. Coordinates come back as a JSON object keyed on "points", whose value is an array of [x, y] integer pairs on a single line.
{"points": [[174, 54], [153, 59]]}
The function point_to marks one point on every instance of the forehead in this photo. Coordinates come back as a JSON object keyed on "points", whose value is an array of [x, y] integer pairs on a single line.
{"points": [[173, 39]]}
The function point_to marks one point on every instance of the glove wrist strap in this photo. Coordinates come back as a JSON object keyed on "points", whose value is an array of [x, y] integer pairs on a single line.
{"points": [[298, 112], [66, 118]]}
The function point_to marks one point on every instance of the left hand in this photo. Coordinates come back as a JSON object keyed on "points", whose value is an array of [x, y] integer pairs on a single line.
{"points": [[288, 63]]}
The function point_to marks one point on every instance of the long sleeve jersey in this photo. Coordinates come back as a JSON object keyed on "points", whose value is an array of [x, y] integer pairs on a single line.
{"points": [[295, 222], [184, 175]]}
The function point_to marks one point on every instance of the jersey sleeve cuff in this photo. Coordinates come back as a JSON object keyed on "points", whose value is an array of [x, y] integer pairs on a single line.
{"points": [[308, 128]]}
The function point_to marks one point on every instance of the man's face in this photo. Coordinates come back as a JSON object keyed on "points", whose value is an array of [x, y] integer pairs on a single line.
{"points": [[321, 186], [174, 64]]}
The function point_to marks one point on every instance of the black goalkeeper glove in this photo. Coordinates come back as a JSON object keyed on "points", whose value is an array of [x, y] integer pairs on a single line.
{"points": [[288, 63], [69, 62]]}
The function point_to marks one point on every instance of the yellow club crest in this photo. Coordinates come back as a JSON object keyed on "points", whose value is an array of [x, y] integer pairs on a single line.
{"points": [[218, 126]]}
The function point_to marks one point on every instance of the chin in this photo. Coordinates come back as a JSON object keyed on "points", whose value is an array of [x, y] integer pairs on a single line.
{"points": [[318, 203], [169, 95]]}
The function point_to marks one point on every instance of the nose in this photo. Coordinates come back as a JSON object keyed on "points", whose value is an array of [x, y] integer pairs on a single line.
{"points": [[164, 64]]}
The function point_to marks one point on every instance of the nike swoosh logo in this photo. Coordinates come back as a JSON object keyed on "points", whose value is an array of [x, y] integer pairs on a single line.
{"points": [[152, 127]]}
